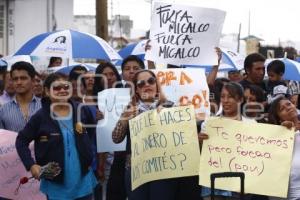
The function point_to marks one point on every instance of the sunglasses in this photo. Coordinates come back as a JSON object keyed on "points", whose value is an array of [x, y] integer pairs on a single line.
{"points": [[62, 86], [142, 83]]}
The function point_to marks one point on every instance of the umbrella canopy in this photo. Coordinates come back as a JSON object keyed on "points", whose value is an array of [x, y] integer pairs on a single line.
{"points": [[231, 61], [137, 49], [292, 68], [69, 44], [10, 60], [67, 69], [3, 64]]}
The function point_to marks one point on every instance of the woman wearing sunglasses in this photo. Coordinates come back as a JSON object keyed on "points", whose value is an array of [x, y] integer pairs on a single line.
{"points": [[148, 95], [59, 136]]}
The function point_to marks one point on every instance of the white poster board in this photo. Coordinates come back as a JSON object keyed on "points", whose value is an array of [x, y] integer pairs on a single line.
{"points": [[111, 102], [184, 35], [186, 86]]}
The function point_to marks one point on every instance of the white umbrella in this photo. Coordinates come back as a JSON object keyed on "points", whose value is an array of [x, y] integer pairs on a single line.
{"points": [[69, 44], [13, 59]]}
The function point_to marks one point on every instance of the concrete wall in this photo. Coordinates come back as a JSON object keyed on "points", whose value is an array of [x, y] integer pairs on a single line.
{"points": [[27, 18]]}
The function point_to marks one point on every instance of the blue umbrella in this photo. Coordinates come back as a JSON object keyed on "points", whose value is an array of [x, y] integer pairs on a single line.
{"points": [[292, 68], [69, 44], [137, 48], [67, 69], [230, 61], [3, 64]]}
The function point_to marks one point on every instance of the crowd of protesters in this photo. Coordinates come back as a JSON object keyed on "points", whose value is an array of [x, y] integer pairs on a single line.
{"points": [[42, 108]]}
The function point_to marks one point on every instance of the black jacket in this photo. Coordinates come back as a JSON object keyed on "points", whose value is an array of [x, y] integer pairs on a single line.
{"points": [[48, 139]]}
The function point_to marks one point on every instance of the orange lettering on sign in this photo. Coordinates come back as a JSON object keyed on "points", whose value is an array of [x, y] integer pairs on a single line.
{"points": [[184, 78], [204, 93], [161, 77], [170, 77], [183, 100], [197, 101]]}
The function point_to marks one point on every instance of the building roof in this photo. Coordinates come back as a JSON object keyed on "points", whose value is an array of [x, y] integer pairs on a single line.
{"points": [[252, 37]]}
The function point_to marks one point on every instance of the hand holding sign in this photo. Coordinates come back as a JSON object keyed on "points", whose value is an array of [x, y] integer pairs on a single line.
{"points": [[129, 113], [99, 115], [219, 53]]}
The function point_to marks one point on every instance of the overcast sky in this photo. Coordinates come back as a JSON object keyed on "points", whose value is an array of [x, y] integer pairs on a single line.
{"points": [[270, 19]]}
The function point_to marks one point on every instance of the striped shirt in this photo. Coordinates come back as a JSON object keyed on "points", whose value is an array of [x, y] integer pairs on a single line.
{"points": [[294, 87], [11, 116], [4, 98]]}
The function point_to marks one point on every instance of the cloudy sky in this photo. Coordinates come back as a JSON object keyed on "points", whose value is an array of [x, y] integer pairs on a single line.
{"points": [[270, 19]]}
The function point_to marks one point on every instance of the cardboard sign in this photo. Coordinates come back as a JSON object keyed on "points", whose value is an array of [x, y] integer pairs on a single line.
{"points": [[262, 151], [184, 35], [163, 145]]}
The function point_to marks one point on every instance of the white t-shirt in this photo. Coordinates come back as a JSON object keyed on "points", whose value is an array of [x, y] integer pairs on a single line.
{"points": [[294, 187]]}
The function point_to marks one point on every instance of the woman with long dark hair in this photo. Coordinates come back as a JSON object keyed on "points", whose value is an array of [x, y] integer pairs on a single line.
{"points": [[106, 77], [283, 112], [116, 189], [147, 96], [231, 100]]}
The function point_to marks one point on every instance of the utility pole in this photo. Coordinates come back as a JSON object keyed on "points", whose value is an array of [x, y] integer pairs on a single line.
{"points": [[249, 22], [101, 19], [239, 38]]}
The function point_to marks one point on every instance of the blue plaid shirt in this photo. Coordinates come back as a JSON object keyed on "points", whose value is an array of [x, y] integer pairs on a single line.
{"points": [[11, 116]]}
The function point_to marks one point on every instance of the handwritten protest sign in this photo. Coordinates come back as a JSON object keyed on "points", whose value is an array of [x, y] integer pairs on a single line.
{"points": [[12, 169], [186, 85], [112, 103], [262, 151], [183, 35], [163, 145]]}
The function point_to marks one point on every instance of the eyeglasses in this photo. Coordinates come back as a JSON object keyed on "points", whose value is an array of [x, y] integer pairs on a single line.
{"points": [[142, 83], [59, 87]]}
